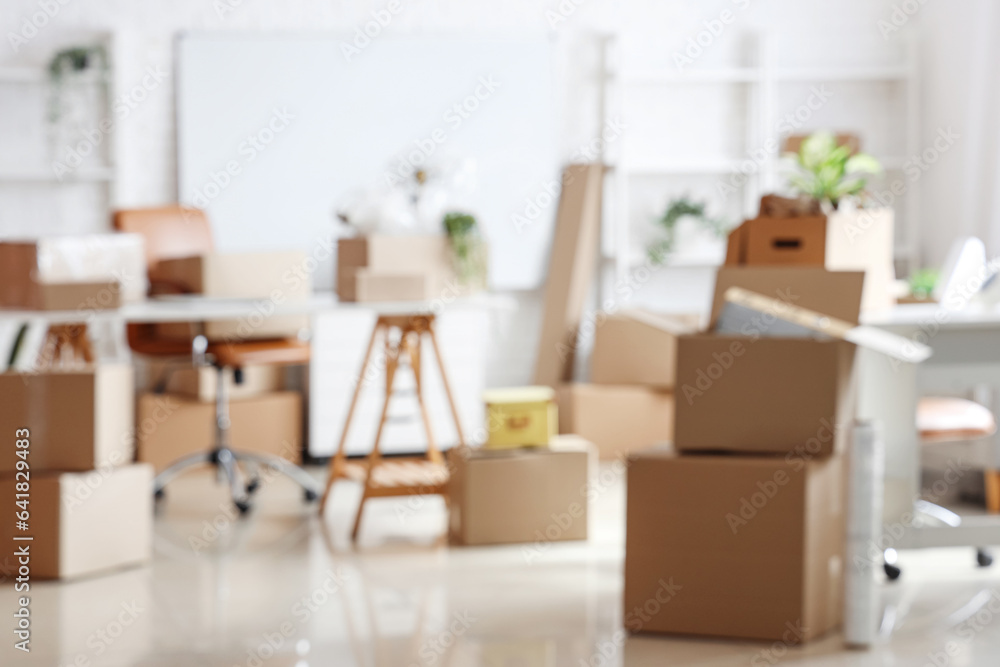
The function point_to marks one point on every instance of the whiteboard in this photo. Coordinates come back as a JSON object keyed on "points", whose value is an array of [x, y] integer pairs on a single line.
{"points": [[335, 125]]}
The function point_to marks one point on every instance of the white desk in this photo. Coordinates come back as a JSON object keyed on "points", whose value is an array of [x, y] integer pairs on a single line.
{"points": [[339, 334], [966, 355]]}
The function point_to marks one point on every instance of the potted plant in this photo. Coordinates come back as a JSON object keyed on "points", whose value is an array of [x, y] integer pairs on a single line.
{"points": [[828, 172], [468, 247], [67, 63], [680, 211]]}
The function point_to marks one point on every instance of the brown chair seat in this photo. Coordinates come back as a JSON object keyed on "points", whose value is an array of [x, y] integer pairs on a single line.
{"points": [[942, 419]]}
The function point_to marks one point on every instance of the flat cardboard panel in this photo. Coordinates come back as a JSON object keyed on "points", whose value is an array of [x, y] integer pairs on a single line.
{"points": [[833, 293], [618, 419], [755, 545], [83, 523], [571, 270], [862, 240], [78, 419], [763, 395], [518, 496], [636, 347], [785, 241], [171, 426]]}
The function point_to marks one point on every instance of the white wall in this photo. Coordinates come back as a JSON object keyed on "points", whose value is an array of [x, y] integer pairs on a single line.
{"points": [[957, 60]]}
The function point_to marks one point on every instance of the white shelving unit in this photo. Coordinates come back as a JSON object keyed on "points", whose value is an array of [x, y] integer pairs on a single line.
{"points": [[763, 80], [103, 175]]}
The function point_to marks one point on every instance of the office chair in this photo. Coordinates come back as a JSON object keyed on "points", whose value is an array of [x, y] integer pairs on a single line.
{"points": [[950, 420], [172, 232]]}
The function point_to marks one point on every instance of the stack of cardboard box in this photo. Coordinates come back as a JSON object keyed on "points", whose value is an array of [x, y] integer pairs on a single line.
{"points": [[78, 504], [527, 484], [629, 403], [380, 267], [746, 520]]}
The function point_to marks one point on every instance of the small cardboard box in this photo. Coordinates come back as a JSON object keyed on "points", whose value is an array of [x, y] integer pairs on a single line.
{"points": [[91, 272], [763, 395], [249, 275], [379, 267], [636, 347], [82, 523], [365, 286], [778, 241], [617, 418], [520, 417], [200, 383], [77, 419], [742, 547], [520, 495], [169, 427]]}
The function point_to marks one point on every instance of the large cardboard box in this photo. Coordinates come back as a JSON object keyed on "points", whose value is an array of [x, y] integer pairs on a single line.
{"points": [[618, 419], [82, 523], [520, 417], [763, 395], [201, 383], [743, 547], [636, 347], [169, 427], [520, 495], [77, 419], [90, 272]]}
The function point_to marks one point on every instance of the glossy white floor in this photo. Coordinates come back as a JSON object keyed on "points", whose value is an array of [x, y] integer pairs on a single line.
{"points": [[279, 590]]}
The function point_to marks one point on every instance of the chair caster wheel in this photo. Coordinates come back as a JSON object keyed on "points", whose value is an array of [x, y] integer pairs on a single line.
{"points": [[309, 495], [892, 572], [159, 494], [253, 485], [243, 506], [984, 558]]}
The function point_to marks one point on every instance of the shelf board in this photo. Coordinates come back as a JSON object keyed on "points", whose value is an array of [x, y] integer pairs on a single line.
{"points": [[807, 74], [37, 74], [41, 176], [667, 167], [757, 75], [719, 75]]}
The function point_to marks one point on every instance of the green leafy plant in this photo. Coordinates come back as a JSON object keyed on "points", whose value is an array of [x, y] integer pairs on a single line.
{"points": [[468, 246], [828, 172], [73, 60], [676, 210], [923, 281]]}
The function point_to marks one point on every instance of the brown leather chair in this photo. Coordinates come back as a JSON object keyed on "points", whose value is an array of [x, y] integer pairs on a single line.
{"points": [[172, 232]]}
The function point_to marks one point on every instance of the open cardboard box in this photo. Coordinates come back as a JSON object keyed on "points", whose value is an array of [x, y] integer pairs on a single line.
{"points": [[636, 347], [757, 388], [745, 547], [618, 419]]}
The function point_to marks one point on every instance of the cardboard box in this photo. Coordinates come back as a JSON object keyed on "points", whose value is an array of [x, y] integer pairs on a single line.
{"points": [[618, 419], [523, 495], [201, 383], [763, 395], [636, 347], [91, 272], [846, 240], [84, 523], [736, 547], [379, 267], [365, 286], [278, 275], [78, 419], [169, 427], [520, 417], [834, 293]]}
